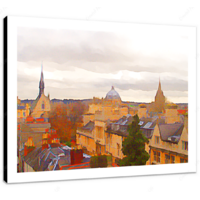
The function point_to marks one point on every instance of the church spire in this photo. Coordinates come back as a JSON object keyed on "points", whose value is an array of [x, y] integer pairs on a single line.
{"points": [[159, 99], [159, 86], [41, 84]]}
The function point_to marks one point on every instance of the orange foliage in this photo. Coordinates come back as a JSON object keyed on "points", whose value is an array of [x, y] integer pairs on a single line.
{"points": [[66, 118], [75, 113], [60, 122]]}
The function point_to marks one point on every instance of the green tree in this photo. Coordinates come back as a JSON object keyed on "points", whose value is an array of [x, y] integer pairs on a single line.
{"points": [[133, 147], [98, 161]]}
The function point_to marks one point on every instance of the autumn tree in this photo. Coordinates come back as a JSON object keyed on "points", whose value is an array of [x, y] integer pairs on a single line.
{"points": [[75, 113], [133, 147], [60, 122]]}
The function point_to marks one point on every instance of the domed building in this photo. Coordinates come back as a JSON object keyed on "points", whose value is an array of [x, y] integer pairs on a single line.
{"points": [[101, 112], [113, 95], [112, 98]]}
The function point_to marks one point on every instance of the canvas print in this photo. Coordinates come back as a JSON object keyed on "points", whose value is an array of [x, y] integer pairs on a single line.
{"points": [[97, 99]]}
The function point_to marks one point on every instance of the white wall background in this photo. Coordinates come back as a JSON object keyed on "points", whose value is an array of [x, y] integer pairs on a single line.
{"points": [[180, 186]]}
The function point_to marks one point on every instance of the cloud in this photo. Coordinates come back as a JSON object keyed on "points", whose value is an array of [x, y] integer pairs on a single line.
{"points": [[103, 51], [81, 64]]}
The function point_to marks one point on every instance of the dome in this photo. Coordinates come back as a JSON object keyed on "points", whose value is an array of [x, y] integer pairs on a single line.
{"points": [[112, 94]]}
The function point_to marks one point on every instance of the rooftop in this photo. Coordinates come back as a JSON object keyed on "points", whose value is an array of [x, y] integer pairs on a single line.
{"points": [[21, 107], [171, 132], [52, 159], [147, 125]]}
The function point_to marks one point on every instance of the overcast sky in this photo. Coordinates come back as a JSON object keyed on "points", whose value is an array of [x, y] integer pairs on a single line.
{"points": [[82, 64]]}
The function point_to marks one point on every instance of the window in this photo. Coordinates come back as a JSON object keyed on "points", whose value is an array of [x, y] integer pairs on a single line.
{"points": [[184, 145], [18, 114], [147, 125], [148, 133], [43, 105], [167, 158], [118, 148], [156, 156], [172, 159], [157, 140], [108, 139], [99, 135], [24, 114], [141, 122], [181, 160]]}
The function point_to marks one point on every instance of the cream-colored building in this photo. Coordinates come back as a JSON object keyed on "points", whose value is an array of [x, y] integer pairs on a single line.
{"points": [[101, 112], [106, 123], [169, 144], [23, 111]]}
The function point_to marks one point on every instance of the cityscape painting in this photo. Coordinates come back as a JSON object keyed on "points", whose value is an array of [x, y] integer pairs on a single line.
{"points": [[101, 98]]}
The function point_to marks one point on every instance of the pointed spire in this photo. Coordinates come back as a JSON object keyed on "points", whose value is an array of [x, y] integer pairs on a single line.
{"points": [[159, 99], [41, 84], [41, 67], [112, 88], [159, 86]]}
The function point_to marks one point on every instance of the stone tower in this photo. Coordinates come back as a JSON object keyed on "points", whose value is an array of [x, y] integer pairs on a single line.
{"points": [[159, 99]]}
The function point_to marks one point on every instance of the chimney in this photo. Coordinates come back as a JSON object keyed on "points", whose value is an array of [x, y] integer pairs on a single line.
{"points": [[76, 156], [46, 130], [54, 141], [45, 146], [50, 138], [29, 146], [45, 143]]}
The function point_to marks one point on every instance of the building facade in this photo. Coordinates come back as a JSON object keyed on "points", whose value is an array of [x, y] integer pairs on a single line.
{"points": [[41, 106], [106, 127], [169, 144], [101, 112], [23, 111]]}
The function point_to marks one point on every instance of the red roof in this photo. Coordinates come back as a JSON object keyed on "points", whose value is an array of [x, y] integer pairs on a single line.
{"points": [[40, 120], [76, 166], [29, 119], [182, 111]]}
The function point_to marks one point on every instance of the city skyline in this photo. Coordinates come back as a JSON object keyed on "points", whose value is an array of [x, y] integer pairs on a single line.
{"points": [[83, 64]]}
